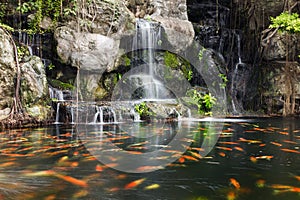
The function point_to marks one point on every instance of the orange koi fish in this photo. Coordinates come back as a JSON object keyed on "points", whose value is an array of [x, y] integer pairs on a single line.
{"points": [[239, 149], [276, 144], [249, 141], [235, 183], [289, 142], [224, 148], [190, 158], [290, 150], [283, 133], [222, 154], [134, 184], [72, 180], [224, 142]]}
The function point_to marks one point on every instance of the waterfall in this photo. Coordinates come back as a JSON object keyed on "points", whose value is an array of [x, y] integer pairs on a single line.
{"points": [[146, 41], [56, 94], [104, 114], [236, 105], [57, 114], [32, 41]]}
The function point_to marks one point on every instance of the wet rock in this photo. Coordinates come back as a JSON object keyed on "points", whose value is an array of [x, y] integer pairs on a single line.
{"points": [[8, 71]]}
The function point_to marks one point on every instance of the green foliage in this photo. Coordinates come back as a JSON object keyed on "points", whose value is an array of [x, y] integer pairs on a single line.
{"points": [[6, 27], [54, 9], [171, 60], [187, 71], [143, 110], [286, 22], [51, 66], [22, 51], [3, 7], [61, 85], [224, 79], [204, 102], [201, 52]]}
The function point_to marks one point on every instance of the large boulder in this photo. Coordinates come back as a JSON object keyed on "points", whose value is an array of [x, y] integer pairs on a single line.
{"points": [[34, 88], [91, 41], [88, 51], [8, 73]]}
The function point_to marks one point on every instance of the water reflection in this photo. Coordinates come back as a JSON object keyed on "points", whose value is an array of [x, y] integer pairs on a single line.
{"points": [[261, 155]]}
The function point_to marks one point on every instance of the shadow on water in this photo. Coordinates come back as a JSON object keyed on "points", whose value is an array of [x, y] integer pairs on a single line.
{"points": [[252, 158]]}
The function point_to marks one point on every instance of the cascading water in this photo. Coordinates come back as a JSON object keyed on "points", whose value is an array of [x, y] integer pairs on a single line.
{"points": [[146, 42], [236, 105]]}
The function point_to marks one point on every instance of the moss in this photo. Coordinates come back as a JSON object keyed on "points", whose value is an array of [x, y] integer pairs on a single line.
{"points": [[171, 60], [61, 85]]}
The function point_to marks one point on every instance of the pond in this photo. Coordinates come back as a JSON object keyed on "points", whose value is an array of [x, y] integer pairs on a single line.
{"points": [[227, 159]]}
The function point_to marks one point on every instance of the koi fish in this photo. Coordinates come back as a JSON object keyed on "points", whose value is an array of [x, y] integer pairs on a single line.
{"points": [[239, 149], [283, 133], [190, 158], [289, 142], [249, 141], [224, 142], [224, 148], [71, 179], [152, 187], [290, 150], [134, 184], [276, 144], [235, 183], [222, 154], [264, 157]]}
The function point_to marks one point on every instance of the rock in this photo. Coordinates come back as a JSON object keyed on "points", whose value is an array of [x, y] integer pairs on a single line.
{"points": [[34, 88], [275, 47], [8, 71], [170, 8], [87, 51], [94, 45], [180, 33]]}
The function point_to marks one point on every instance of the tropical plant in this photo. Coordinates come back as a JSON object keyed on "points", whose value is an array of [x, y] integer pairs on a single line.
{"points": [[204, 101], [143, 110]]}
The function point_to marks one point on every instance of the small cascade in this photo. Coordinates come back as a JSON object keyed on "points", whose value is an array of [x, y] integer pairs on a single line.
{"points": [[136, 116], [32, 41], [236, 104], [98, 115], [57, 114], [56, 94], [104, 114]]}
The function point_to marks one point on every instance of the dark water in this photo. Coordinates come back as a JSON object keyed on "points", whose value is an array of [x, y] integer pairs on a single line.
{"points": [[231, 159]]}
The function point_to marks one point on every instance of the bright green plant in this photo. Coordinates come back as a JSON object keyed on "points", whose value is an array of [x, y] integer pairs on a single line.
{"points": [[224, 79], [286, 21], [143, 110], [204, 102]]}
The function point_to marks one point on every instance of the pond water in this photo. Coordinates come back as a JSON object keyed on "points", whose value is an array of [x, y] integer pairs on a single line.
{"points": [[223, 159]]}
